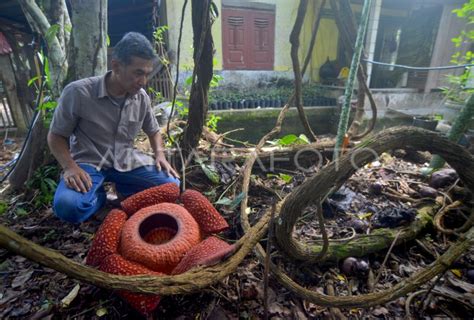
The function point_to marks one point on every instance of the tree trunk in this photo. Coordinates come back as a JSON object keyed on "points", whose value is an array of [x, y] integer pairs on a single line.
{"points": [[202, 75], [89, 33], [55, 13], [22, 62]]}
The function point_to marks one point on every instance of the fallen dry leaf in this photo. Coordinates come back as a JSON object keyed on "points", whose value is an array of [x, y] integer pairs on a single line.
{"points": [[20, 280]]}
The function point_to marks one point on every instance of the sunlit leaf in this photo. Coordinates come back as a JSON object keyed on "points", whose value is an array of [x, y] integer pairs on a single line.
{"points": [[32, 80], [457, 272], [211, 173], [287, 140], [303, 138], [285, 177], [101, 312]]}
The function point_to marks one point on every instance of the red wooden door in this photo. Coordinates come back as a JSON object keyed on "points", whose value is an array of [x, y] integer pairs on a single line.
{"points": [[262, 50], [248, 39], [234, 38]]}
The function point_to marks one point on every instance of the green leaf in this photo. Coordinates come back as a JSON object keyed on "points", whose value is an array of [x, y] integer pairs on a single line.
{"points": [[21, 212], [237, 200], [43, 186], [47, 73], [211, 173], [189, 80], [68, 28], [285, 177], [215, 80], [3, 207], [32, 80], [303, 138], [287, 140], [49, 105], [107, 41], [51, 183], [282, 176], [224, 201]]}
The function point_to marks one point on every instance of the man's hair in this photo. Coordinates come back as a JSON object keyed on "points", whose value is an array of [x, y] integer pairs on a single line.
{"points": [[133, 44]]}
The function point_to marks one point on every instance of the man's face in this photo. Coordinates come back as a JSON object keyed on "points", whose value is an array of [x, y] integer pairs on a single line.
{"points": [[134, 76]]}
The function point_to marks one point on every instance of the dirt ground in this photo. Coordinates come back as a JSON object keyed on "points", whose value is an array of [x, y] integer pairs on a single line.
{"points": [[31, 291]]}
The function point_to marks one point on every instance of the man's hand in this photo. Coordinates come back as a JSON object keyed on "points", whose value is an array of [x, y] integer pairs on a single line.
{"points": [[163, 164], [77, 179]]}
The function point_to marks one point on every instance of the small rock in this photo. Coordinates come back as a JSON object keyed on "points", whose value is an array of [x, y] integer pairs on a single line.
{"points": [[443, 178], [428, 192]]}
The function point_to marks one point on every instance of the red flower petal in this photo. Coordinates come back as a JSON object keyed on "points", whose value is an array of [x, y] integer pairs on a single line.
{"points": [[209, 252], [208, 218], [107, 238], [116, 264], [168, 192]]}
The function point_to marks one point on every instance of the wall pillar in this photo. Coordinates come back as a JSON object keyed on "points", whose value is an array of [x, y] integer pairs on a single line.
{"points": [[449, 27], [372, 32]]}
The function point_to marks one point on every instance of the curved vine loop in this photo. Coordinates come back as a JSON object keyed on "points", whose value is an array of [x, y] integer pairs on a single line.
{"points": [[335, 174]]}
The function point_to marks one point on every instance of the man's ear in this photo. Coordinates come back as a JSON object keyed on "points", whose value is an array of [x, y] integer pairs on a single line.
{"points": [[115, 65]]}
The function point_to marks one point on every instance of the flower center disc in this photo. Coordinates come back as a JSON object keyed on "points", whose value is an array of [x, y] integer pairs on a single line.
{"points": [[158, 228]]}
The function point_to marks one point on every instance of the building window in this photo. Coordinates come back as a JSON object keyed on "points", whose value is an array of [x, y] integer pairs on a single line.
{"points": [[248, 39]]}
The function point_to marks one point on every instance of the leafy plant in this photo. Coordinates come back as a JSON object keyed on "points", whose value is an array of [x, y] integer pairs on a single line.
{"points": [[44, 183], [231, 203], [282, 176], [210, 172], [182, 110], [457, 91], [156, 96], [21, 212], [159, 34], [47, 105], [212, 122], [3, 207], [290, 139], [215, 80]]}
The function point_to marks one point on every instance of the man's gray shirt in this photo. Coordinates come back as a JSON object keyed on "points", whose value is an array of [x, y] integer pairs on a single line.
{"points": [[101, 132]]}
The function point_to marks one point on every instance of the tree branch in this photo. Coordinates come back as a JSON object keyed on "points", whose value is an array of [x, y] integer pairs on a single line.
{"points": [[295, 43]]}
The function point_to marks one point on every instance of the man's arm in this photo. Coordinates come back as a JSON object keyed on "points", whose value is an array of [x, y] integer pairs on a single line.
{"points": [[74, 177], [156, 143]]}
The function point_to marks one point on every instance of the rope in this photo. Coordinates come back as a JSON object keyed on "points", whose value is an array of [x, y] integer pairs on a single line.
{"points": [[418, 68]]}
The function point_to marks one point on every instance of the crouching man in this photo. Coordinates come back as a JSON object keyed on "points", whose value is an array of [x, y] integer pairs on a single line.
{"points": [[93, 131]]}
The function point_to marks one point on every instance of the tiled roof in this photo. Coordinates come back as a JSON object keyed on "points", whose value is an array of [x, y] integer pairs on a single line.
{"points": [[5, 47]]}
